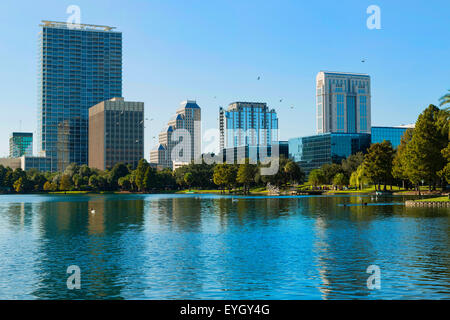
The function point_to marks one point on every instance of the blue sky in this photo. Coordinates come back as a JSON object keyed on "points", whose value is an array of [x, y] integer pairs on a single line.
{"points": [[213, 51]]}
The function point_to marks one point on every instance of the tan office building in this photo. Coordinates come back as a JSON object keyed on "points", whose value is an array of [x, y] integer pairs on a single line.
{"points": [[116, 133]]}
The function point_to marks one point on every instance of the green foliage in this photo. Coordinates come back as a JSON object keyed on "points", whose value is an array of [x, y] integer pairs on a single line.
{"points": [[423, 158], [330, 170], [246, 175], [352, 163], [378, 163], [340, 180], [445, 99], [225, 175], [294, 173], [65, 184], [202, 175], [188, 179], [141, 171], [316, 177]]}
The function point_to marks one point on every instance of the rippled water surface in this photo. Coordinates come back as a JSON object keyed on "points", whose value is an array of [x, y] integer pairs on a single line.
{"points": [[213, 247]]}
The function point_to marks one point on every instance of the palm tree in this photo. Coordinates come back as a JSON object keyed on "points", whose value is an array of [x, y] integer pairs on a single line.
{"points": [[445, 99]]}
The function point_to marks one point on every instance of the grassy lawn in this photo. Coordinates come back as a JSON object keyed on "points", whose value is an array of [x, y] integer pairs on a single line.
{"points": [[438, 199]]}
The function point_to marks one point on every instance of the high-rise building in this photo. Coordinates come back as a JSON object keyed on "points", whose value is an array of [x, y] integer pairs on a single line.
{"points": [[21, 144], [314, 151], [343, 102], [116, 133], [247, 124], [79, 66], [392, 134], [187, 117]]}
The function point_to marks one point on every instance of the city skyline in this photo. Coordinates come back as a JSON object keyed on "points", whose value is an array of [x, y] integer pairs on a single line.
{"points": [[260, 78]]}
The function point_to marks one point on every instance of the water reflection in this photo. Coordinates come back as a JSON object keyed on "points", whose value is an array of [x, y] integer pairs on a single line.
{"points": [[197, 247]]}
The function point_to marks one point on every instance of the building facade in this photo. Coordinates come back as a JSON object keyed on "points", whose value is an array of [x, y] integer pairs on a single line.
{"points": [[314, 151], [247, 124], [392, 134], [116, 133], [188, 118], [21, 144], [343, 102], [79, 66]]}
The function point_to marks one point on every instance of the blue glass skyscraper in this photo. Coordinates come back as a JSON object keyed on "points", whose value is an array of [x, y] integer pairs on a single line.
{"points": [[79, 66]]}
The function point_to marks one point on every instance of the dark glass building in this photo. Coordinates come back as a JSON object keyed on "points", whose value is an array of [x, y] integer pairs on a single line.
{"points": [[392, 134], [79, 66], [20, 144], [314, 151]]}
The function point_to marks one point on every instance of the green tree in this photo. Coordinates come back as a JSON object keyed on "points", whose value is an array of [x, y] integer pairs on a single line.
{"points": [[340, 180], [246, 175], [359, 177], [188, 179], [20, 185], [65, 184], [399, 161], [48, 186], [316, 178], [225, 176], [294, 172], [329, 170], [141, 170], [150, 179], [125, 183], [445, 99], [118, 171], [445, 172], [351, 163], [424, 158], [378, 163]]}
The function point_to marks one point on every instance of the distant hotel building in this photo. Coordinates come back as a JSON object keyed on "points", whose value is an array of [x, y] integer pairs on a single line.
{"points": [[314, 151], [247, 124], [116, 133], [21, 144], [79, 66], [392, 134], [343, 102], [187, 117]]}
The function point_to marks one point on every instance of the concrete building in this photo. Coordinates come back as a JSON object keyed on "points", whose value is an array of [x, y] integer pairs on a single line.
{"points": [[247, 124], [20, 144], [314, 151], [343, 102], [13, 163], [187, 117], [392, 134], [116, 133], [79, 66]]}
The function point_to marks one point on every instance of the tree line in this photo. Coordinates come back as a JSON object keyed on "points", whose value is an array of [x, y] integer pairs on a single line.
{"points": [[423, 157], [146, 178]]}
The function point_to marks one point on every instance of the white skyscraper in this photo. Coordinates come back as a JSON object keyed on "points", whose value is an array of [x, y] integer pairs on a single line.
{"points": [[343, 102]]}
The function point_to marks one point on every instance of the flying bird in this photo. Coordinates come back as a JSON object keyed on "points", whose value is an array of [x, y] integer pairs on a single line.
{"points": [[259, 78]]}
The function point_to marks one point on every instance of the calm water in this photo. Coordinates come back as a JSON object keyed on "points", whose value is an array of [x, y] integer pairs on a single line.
{"points": [[212, 247]]}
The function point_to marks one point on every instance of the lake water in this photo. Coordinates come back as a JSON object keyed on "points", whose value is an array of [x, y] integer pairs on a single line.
{"points": [[219, 247]]}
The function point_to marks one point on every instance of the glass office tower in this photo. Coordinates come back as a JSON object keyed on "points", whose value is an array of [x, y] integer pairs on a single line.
{"points": [[314, 151], [343, 102], [79, 66], [247, 124], [21, 144]]}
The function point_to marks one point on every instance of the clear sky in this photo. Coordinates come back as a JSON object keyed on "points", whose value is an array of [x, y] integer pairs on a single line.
{"points": [[214, 51]]}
